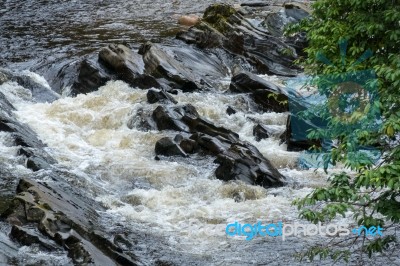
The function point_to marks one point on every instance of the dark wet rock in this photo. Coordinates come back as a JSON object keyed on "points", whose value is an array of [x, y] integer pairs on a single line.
{"points": [[127, 65], [183, 67], [186, 119], [238, 160], [207, 38], [189, 145], [40, 92], [212, 145], [244, 162], [260, 132], [168, 147], [266, 94], [63, 215], [8, 249], [161, 65], [22, 135], [230, 111], [154, 96], [122, 59], [178, 138], [91, 76], [122, 242], [223, 26], [28, 237], [36, 159], [296, 11]]}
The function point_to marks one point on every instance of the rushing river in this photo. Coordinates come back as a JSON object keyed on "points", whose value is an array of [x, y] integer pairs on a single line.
{"points": [[181, 203]]}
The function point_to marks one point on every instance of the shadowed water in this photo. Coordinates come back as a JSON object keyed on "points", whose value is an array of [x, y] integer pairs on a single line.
{"points": [[37, 34]]}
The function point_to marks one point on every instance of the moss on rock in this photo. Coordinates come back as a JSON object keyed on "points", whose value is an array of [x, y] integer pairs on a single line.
{"points": [[217, 16]]}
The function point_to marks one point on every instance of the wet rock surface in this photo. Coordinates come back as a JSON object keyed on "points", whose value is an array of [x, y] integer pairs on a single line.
{"points": [[167, 147], [91, 76], [223, 26], [62, 214], [238, 160], [266, 94], [155, 96], [31, 147], [40, 92]]}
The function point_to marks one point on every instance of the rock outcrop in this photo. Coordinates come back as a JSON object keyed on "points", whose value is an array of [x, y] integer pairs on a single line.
{"points": [[237, 160], [61, 214], [23, 136], [40, 92], [267, 95], [224, 26]]}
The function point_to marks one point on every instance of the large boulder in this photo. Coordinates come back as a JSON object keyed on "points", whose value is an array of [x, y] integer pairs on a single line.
{"points": [[161, 65], [238, 160], [91, 76], [184, 67], [127, 65], [244, 162], [168, 147], [186, 119], [267, 95]]}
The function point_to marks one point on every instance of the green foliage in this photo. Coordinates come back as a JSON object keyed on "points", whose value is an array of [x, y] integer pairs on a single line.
{"points": [[372, 192]]}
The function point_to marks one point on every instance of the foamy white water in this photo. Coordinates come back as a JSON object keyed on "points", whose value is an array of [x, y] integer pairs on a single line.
{"points": [[177, 199]]}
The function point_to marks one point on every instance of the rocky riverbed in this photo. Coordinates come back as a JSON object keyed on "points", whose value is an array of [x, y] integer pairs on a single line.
{"points": [[139, 150]]}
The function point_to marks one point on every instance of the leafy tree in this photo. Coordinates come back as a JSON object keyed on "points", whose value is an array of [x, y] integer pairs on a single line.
{"points": [[372, 191]]}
